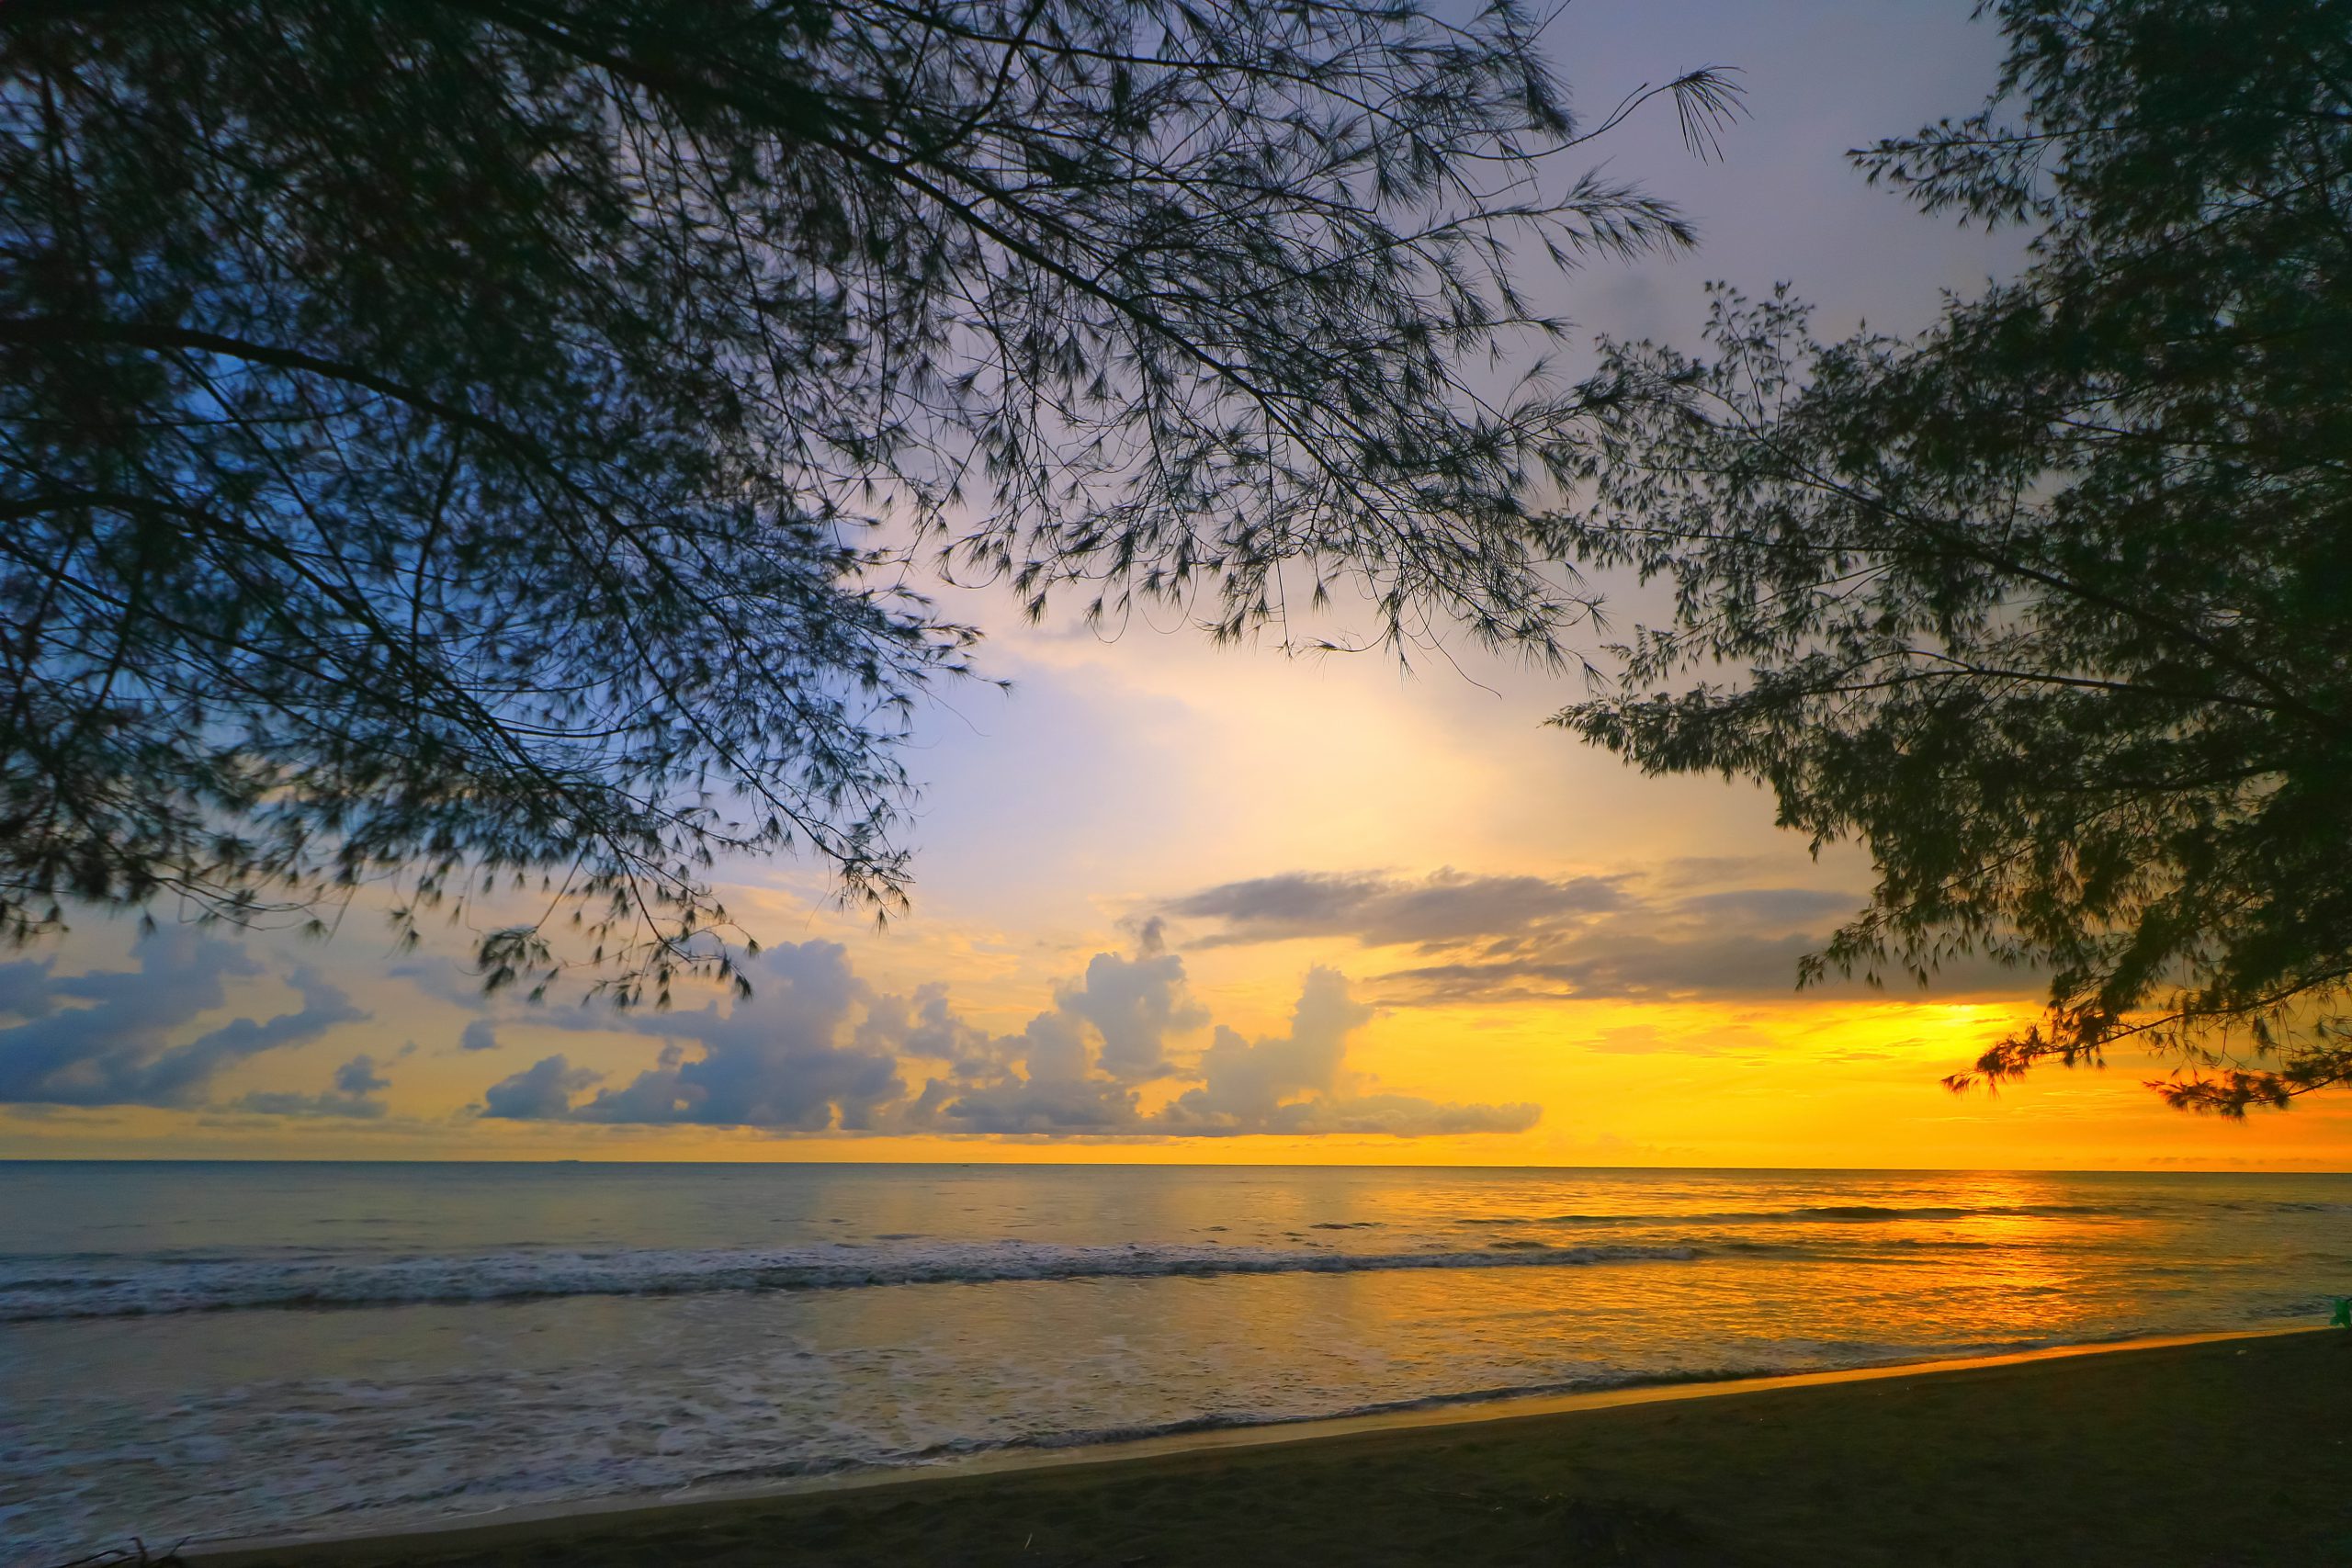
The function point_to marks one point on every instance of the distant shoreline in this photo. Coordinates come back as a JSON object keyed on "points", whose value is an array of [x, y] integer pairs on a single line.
{"points": [[627, 1530]]}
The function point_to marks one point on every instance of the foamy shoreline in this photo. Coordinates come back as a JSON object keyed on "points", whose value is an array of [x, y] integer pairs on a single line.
{"points": [[265, 1354], [530, 1521]]}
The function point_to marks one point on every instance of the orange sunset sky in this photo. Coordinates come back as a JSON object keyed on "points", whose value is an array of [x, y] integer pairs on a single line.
{"points": [[1182, 903]]}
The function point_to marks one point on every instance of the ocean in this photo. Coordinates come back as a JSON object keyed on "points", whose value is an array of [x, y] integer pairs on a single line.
{"points": [[204, 1351]]}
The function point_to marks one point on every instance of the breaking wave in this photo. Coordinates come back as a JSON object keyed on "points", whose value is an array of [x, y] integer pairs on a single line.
{"points": [[36, 1289]]}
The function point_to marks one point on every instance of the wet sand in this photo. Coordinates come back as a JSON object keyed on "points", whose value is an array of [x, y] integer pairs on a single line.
{"points": [[2227, 1451]]}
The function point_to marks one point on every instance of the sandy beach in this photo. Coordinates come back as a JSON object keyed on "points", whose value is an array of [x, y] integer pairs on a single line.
{"points": [[2232, 1451]]}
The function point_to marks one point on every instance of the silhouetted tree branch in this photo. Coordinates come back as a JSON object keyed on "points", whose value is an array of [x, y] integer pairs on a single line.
{"points": [[496, 441], [2052, 605]]}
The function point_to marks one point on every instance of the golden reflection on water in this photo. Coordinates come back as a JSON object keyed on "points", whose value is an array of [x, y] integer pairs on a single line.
{"points": [[1390, 1289]]}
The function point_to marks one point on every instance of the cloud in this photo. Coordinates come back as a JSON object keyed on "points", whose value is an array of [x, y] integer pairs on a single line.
{"points": [[1378, 911], [778, 1060], [106, 1037], [1295, 1083], [815, 1049], [479, 1035], [1810, 908], [358, 1077], [356, 1085], [1246, 1084], [540, 1092], [26, 990], [1503, 939], [1626, 964], [1054, 1090], [1137, 1005]]}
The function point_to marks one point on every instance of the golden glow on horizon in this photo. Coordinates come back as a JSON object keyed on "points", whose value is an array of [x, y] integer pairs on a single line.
{"points": [[1129, 776], [1794, 1083]]}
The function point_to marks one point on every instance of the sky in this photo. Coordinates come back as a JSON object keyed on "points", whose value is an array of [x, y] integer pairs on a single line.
{"points": [[1184, 903]]}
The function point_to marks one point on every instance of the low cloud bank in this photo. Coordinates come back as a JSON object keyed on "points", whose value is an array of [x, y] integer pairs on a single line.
{"points": [[106, 1037], [817, 1049]]}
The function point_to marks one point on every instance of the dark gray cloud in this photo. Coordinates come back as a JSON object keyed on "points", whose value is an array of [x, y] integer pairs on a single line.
{"points": [[540, 1092], [815, 1049], [1813, 909], [358, 1077], [1628, 965], [481, 1034], [1377, 910], [27, 990], [1489, 939], [1618, 965], [793, 1057], [108, 1037], [353, 1093]]}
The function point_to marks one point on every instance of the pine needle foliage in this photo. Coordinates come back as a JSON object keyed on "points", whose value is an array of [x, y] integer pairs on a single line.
{"points": [[495, 446], [2051, 606]]}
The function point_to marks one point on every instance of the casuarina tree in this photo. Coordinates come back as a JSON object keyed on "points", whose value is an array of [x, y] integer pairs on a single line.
{"points": [[472, 443], [2051, 606]]}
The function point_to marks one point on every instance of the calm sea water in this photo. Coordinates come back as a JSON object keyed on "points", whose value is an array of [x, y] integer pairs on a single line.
{"points": [[204, 1349]]}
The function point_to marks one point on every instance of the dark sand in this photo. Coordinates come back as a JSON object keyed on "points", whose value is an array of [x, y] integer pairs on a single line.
{"points": [[2236, 1451]]}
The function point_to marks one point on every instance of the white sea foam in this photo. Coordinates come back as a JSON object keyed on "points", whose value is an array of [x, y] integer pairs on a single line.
{"points": [[38, 1289]]}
